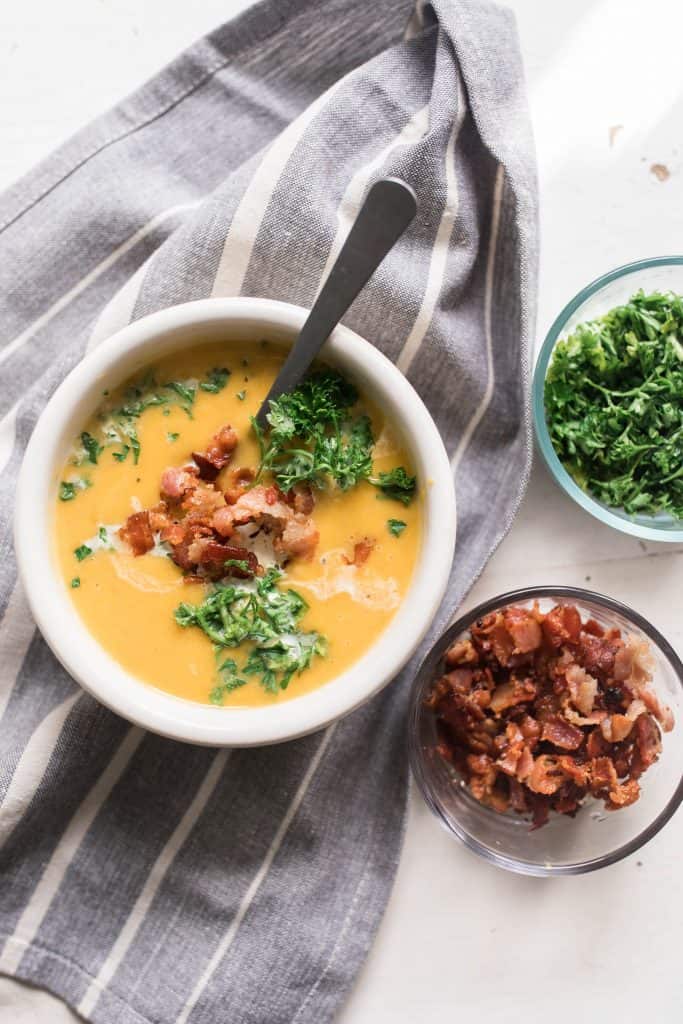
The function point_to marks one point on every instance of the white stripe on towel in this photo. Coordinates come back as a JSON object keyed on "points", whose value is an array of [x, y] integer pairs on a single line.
{"points": [[156, 876], [439, 257], [119, 310], [249, 896], [31, 767], [16, 632], [8, 433], [351, 201], [63, 854], [86, 281], [247, 219], [488, 310]]}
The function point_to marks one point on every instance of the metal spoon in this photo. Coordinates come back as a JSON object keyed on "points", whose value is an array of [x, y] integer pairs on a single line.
{"points": [[389, 207]]}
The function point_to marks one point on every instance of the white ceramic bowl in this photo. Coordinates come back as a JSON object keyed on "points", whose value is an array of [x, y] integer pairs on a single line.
{"points": [[77, 398]]}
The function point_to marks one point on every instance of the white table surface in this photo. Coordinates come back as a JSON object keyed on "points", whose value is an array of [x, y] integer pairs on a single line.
{"points": [[461, 937]]}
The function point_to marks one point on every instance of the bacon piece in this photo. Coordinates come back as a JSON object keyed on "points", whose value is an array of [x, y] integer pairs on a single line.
{"points": [[593, 627], [623, 794], [530, 729], [514, 746], [202, 501], [524, 630], [301, 499], [299, 538], [560, 733], [462, 652], [213, 556], [583, 688], [546, 775], [525, 764], [597, 654], [616, 728], [295, 534], [596, 744], [261, 504], [662, 713], [176, 482], [603, 776], [595, 717], [490, 635], [460, 680], [604, 783], [238, 483], [483, 776], [516, 691], [567, 799], [218, 453], [648, 740], [577, 771], [517, 797], [362, 550], [633, 664], [562, 625], [222, 522], [159, 518], [137, 533]]}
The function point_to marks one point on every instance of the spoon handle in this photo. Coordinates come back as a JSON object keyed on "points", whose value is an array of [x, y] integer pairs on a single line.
{"points": [[389, 207]]}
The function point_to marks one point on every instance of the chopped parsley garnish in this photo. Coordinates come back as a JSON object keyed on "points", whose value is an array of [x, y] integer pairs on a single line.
{"points": [[185, 392], [75, 582], [227, 672], [171, 437], [264, 615], [68, 489], [91, 447], [104, 539], [614, 405], [396, 485], [82, 552], [313, 437], [118, 421], [215, 380], [396, 526]]}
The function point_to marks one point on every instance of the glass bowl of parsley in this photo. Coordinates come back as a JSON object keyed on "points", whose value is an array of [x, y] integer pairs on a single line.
{"points": [[608, 399]]}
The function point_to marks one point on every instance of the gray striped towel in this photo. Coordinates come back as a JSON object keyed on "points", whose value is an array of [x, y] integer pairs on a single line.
{"points": [[148, 881]]}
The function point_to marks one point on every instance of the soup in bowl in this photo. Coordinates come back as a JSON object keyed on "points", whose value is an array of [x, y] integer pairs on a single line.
{"points": [[218, 582]]}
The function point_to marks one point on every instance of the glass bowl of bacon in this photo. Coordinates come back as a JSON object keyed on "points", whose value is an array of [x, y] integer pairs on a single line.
{"points": [[545, 730]]}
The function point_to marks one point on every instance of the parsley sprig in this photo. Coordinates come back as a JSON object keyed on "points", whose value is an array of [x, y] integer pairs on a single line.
{"points": [[314, 437], [265, 615], [614, 405]]}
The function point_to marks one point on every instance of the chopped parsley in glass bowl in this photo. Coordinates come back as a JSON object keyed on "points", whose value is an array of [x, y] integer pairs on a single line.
{"points": [[608, 399]]}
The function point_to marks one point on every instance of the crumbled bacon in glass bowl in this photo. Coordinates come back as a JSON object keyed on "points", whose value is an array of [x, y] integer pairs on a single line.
{"points": [[550, 707]]}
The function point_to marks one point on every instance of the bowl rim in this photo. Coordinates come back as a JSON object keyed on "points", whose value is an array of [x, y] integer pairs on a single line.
{"points": [[89, 663], [673, 535], [430, 661]]}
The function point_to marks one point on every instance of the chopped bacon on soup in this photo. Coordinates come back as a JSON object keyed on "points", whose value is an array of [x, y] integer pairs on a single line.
{"points": [[539, 710], [137, 533], [200, 521], [218, 453]]}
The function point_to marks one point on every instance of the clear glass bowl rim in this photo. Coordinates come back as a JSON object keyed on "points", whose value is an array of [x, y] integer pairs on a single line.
{"points": [[428, 664], [593, 507]]}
